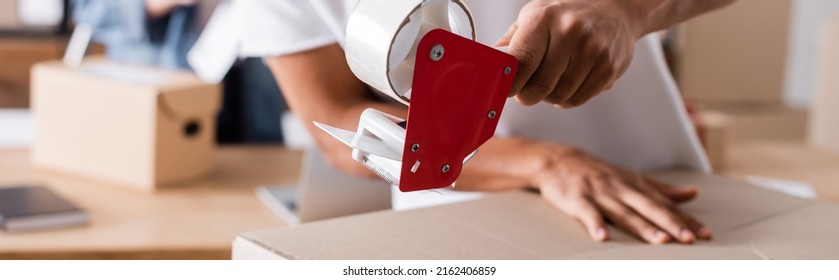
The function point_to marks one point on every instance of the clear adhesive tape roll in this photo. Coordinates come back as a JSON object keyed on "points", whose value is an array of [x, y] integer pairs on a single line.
{"points": [[382, 38]]}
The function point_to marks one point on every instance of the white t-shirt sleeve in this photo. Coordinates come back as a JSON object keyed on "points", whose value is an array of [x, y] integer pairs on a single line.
{"points": [[281, 27]]}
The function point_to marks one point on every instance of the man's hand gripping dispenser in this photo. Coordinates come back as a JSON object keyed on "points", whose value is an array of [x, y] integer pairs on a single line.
{"points": [[423, 54]]}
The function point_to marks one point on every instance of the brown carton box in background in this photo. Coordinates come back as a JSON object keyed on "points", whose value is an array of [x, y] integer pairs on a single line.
{"points": [[824, 114], [714, 137], [139, 127], [735, 54]]}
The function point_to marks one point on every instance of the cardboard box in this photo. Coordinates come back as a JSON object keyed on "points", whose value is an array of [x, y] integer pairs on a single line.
{"points": [[824, 129], [762, 121], [714, 137], [135, 126], [748, 223], [735, 54]]}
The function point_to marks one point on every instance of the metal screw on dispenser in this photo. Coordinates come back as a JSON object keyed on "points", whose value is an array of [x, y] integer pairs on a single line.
{"points": [[415, 167], [508, 70], [415, 148], [446, 168], [437, 52], [491, 114]]}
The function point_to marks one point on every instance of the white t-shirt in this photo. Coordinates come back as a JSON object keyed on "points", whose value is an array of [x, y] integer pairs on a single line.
{"points": [[640, 124], [279, 27]]}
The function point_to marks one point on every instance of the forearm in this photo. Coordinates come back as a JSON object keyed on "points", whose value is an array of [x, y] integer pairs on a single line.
{"points": [[508, 163], [501, 164], [156, 9], [318, 89], [655, 15]]}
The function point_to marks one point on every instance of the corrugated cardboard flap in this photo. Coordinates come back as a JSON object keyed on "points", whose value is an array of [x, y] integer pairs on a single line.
{"points": [[190, 104]]}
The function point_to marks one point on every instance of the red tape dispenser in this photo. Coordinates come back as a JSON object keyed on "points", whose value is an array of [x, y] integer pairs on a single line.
{"points": [[455, 87]]}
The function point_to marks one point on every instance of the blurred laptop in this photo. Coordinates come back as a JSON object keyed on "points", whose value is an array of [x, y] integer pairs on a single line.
{"points": [[324, 192], [297, 138]]}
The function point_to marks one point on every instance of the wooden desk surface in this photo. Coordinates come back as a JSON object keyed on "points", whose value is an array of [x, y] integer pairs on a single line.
{"points": [[193, 221]]}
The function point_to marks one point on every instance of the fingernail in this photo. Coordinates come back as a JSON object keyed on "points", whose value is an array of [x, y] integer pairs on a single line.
{"points": [[600, 234], [704, 233], [659, 237], [686, 236]]}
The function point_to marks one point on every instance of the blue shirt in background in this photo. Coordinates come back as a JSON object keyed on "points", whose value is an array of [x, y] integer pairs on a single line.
{"points": [[130, 36]]}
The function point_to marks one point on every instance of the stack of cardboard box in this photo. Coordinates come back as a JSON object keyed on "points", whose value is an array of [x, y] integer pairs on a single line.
{"points": [[824, 129], [733, 63], [737, 54]]}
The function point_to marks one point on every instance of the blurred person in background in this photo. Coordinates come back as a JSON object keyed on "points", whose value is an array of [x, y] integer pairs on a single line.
{"points": [[160, 33]]}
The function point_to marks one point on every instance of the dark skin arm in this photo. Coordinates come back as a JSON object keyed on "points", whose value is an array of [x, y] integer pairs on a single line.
{"points": [[317, 88], [571, 50]]}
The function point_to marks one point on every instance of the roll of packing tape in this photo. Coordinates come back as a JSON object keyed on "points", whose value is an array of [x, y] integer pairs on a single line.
{"points": [[382, 38]]}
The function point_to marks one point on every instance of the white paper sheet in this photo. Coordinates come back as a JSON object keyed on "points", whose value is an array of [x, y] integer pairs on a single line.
{"points": [[218, 46], [794, 188], [640, 124]]}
